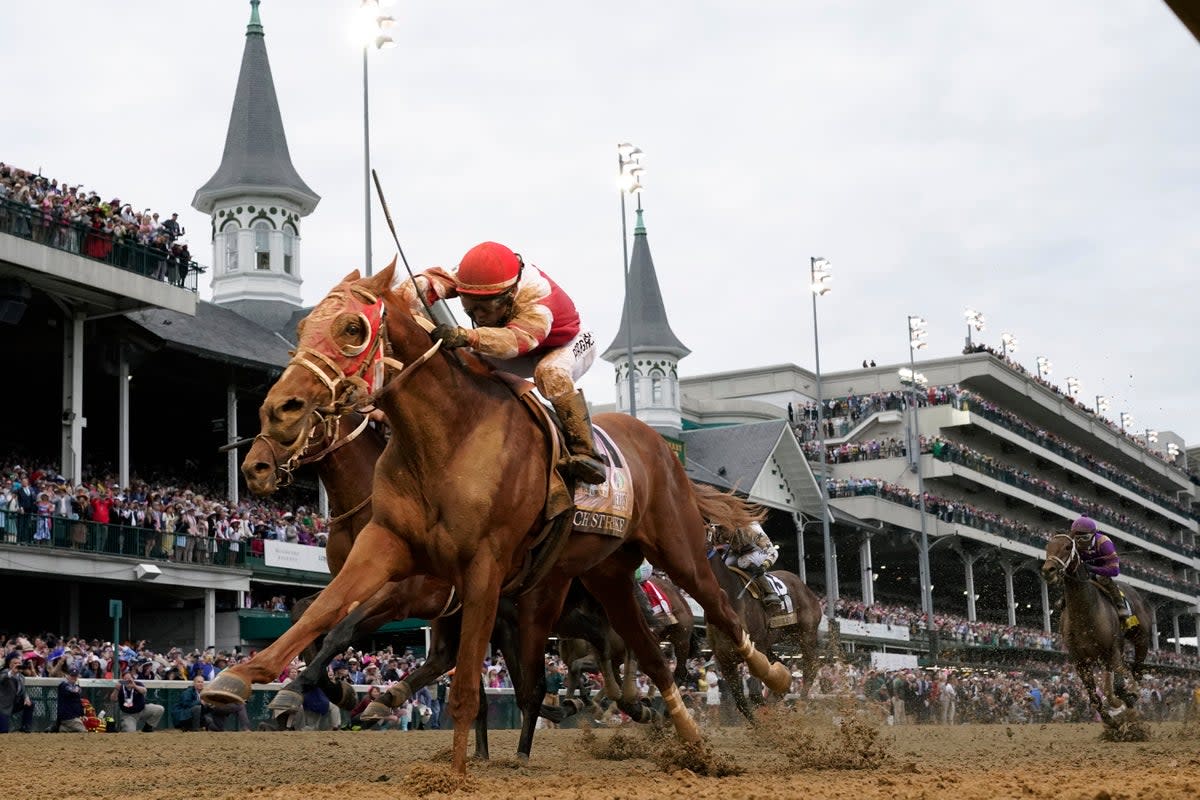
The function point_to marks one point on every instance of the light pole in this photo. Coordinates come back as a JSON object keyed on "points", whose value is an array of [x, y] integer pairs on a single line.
{"points": [[917, 329], [974, 320], [1172, 452], [1101, 404], [372, 23], [1151, 437], [629, 177], [1043, 367], [1073, 387], [1008, 344], [1126, 420], [821, 275]]}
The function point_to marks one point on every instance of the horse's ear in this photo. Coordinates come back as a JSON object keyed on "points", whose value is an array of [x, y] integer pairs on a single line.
{"points": [[351, 277], [381, 281]]}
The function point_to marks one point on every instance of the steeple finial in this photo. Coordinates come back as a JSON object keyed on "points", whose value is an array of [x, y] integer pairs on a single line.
{"points": [[639, 227], [255, 27]]}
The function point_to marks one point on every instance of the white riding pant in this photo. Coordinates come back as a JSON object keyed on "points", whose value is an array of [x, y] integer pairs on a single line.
{"points": [[555, 371]]}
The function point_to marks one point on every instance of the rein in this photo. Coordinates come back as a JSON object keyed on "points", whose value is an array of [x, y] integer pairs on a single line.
{"points": [[1073, 558]]}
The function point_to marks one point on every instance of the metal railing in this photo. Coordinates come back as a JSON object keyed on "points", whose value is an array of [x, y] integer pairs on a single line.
{"points": [[83, 536], [122, 252]]}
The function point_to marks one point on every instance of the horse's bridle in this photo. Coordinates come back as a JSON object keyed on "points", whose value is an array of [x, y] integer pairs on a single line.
{"points": [[1065, 566], [343, 388]]}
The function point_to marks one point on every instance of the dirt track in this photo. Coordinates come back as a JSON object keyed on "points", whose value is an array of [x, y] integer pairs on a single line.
{"points": [[963, 762]]}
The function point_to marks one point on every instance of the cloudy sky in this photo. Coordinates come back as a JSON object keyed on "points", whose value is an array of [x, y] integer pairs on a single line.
{"points": [[1035, 160]]}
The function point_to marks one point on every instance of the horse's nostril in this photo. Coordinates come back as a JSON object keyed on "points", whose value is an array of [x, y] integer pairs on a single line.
{"points": [[260, 467], [292, 405]]}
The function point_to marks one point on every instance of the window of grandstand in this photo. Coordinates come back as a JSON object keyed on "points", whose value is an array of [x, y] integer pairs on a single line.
{"points": [[289, 243], [656, 388], [262, 245], [231, 246]]}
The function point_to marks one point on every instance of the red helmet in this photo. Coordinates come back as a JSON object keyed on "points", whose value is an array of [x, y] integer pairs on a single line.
{"points": [[488, 269]]}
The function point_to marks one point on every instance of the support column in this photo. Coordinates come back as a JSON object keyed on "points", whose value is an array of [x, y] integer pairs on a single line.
{"points": [[72, 609], [969, 570], [801, 570], [867, 570], [72, 415], [1175, 632], [1045, 605], [1154, 631], [1009, 595], [122, 417], [833, 571], [210, 618], [322, 499], [231, 432]]}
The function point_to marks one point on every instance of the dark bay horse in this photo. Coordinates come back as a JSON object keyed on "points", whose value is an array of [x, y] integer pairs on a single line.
{"points": [[583, 653], [460, 493], [728, 511], [1093, 633]]}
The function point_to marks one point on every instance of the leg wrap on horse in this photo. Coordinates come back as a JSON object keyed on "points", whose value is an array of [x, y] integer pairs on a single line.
{"points": [[346, 697], [685, 726], [775, 676]]}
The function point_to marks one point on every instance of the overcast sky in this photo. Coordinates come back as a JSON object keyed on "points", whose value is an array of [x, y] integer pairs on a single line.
{"points": [[1038, 161]]}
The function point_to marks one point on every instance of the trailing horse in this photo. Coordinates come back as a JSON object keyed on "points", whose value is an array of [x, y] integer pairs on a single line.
{"points": [[727, 510], [1092, 631], [463, 491]]}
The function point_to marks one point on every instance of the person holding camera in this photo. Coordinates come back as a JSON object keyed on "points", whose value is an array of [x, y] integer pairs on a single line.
{"points": [[136, 713]]}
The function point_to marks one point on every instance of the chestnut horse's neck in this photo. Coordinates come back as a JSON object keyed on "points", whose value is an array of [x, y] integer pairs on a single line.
{"points": [[346, 471], [440, 403]]}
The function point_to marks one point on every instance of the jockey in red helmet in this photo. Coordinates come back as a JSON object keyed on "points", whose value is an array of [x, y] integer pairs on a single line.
{"points": [[527, 324], [1099, 555]]}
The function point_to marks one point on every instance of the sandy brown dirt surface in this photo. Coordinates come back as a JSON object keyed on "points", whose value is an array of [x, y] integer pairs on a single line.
{"points": [[787, 757]]}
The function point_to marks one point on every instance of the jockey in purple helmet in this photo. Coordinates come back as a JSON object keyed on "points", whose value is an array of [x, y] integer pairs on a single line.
{"points": [[1100, 557]]}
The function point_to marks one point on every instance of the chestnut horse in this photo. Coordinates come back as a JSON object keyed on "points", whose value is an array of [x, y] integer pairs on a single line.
{"points": [[727, 510], [1093, 633], [461, 493]]}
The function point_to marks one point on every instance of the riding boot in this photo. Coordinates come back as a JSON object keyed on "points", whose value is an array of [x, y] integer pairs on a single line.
{"points": [[1114, 594], [771, 601], [583, 462]]}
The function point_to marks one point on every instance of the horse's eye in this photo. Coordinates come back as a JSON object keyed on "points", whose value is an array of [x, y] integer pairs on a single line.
{"points": [[353, 330]]}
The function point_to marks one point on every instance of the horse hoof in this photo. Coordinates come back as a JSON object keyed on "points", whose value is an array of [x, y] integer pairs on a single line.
{"points": [[226, 689], [523, 759], [286, 700], [778, 679], [375, 710]]}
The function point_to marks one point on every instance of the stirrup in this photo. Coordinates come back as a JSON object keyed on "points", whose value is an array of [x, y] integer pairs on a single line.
{"points": [[586, 468]]}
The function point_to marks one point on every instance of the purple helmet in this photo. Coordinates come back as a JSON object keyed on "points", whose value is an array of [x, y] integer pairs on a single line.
{"points": [[1084, 525]]}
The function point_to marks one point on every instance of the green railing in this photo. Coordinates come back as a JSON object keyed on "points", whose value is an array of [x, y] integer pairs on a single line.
{"points": [[43, 694], [80, 536], [122, 252]]}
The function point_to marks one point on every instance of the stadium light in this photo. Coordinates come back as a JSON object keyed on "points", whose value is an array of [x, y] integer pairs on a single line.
{"points": [[974, 321], [820, 273], [1008, 344], [1126, 420], [629, 181], [1043, 367], [1101, 404], [1073, 387], [916, 341], [370, 25], [1172, 451], [1151, 437]]}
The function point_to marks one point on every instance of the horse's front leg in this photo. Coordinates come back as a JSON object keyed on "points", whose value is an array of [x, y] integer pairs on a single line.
{"points": [[378, 556], [537, 610], [368, 617], [1088, 678], [481, 594]]}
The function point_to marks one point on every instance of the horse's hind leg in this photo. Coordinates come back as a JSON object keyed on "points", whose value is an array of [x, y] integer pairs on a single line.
{"points": [[614, 588], [691, 572], [377, 557]]}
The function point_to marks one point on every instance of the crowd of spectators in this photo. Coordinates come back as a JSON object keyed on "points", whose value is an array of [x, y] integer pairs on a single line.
{"points": [[841, 414], [954, 511], [1070, 398], [68, 217], [174, 520]]}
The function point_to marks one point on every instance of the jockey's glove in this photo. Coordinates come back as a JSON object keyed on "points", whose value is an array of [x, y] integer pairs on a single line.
{"points": [[451, 336]]}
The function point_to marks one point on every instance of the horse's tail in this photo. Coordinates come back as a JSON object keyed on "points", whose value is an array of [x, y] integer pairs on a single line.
{"points": [[726, 509]]}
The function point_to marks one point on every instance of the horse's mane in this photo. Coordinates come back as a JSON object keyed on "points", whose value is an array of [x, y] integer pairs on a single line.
{"points": [[726, 509]]}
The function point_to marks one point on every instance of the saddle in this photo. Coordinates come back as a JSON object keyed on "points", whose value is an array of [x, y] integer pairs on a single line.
{"points": [[605, 509], [784, 618]]}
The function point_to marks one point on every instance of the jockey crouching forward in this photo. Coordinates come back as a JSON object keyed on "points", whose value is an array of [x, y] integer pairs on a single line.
{"points": [[1099, 555], [750, 549], [524, 324]]}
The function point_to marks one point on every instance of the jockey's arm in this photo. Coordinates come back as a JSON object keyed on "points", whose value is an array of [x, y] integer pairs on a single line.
{"points": [[434, 283], [529, 327], [1103, 559]]}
